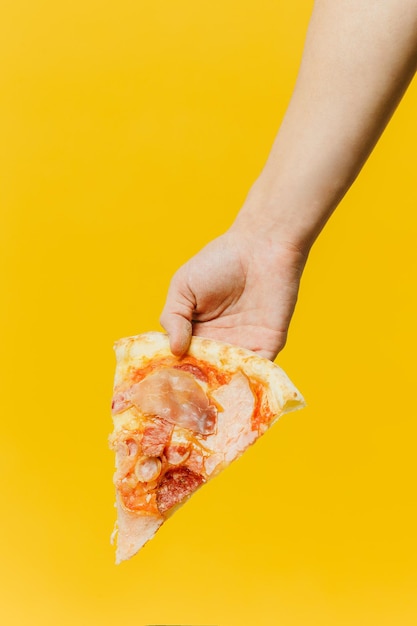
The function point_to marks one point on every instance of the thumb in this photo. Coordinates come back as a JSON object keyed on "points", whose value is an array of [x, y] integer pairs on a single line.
{"points": [[177, 315]]}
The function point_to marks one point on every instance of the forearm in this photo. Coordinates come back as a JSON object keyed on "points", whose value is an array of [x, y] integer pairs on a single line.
{"points": [[359, 58]]}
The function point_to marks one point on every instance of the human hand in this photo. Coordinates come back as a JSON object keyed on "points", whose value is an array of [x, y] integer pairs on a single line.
{"points": [[238, 289]]}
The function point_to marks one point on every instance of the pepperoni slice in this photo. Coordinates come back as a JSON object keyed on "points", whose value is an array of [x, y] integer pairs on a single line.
{"points": [[177, 484], [192, 369]]}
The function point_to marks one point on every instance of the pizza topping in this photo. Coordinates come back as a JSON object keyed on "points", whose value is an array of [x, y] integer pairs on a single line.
{"points": [[192, 369], [195, 461], [156, 435], [201, 370], [175, 396], [135, 497], [177, 484], [235, 431], [121, 402], [126, 451], [177, 453], [148, 469], [132, 447], [262, 415]]}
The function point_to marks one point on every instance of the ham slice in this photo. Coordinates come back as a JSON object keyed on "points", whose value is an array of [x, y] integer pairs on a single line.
{"points": [[175, 396], [235, 431]]}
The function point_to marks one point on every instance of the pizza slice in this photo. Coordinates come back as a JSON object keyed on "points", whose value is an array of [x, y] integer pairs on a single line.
{"points": [[179, 421]]}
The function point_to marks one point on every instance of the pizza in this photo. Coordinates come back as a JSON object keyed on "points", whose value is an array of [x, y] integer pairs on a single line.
{"points": [[178, 422]]}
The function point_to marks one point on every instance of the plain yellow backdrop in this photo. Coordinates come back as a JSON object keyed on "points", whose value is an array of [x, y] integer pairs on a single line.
{"points": [[131, 132]]}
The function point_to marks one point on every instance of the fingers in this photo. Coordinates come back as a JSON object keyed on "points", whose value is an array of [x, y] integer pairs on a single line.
{"points": [[179, 331], [177, 315]]}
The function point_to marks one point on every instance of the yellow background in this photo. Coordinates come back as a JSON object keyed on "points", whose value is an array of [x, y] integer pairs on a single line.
{"points": [[130, 132]]}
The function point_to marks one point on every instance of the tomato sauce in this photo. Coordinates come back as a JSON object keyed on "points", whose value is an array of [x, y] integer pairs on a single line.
{"points": [[201, 370], [262, 413]]}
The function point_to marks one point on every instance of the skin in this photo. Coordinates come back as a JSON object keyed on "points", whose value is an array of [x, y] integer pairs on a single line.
{"points": [[359, 58]]}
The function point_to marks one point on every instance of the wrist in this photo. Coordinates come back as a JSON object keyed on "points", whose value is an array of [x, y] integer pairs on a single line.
{"points": [[260, 237], [278, 215], [292, 199]]}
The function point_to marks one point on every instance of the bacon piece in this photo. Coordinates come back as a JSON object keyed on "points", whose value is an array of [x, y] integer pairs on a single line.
{"points": [[177, 484], [156, 435], [175, 395]]}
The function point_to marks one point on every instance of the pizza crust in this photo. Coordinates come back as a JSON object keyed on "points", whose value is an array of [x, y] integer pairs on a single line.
{"points": [[132, 531]]}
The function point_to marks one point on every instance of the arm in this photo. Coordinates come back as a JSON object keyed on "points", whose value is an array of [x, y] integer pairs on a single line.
{"points": [[359, 58]]}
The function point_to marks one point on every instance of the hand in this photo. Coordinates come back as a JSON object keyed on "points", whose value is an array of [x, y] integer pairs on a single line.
{"points": [[237, 289]]}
